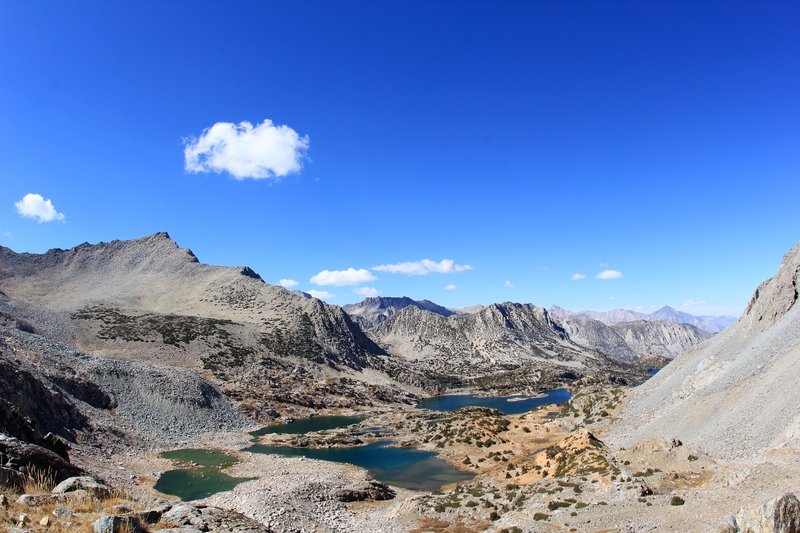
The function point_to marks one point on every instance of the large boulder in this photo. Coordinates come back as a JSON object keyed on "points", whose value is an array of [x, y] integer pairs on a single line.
{"points": [[83, 483], [369, 490], [20, 459], [207, 518]]}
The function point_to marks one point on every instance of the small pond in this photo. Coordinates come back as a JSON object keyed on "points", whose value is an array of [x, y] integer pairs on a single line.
{"points": [[510, 405], [653, 371], [403, 467], [199, 475], [308, 425]]}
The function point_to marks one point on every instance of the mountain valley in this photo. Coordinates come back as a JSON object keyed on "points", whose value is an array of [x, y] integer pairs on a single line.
{"points": [[113, 353]]}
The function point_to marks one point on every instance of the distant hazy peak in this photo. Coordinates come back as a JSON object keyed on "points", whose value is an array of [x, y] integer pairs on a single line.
{"points": [[712, 324]]}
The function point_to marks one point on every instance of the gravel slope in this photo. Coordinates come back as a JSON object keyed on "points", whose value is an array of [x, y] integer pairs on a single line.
{"points": [[736, 396]]}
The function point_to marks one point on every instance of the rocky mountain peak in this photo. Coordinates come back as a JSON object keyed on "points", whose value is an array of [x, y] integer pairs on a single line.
{"points": [[774, 297]]}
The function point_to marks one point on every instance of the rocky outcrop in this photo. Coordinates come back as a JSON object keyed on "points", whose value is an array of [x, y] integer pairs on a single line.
{"points": [[368, 490], [20, 460], [208, 518], [781, 515]]}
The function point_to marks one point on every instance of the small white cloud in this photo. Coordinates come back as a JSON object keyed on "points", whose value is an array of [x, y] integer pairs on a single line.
{"points": [[450, 287], [339, 278], [244, 151], [690, 303], [288, 283], [367, 292], [508, 284], [322, 295], [609, 274], [423, 267], [35, 206], [577, 277]]}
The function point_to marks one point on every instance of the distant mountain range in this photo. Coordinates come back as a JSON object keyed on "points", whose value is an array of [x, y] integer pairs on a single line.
{"points": [[711, 324], [512, 332]]}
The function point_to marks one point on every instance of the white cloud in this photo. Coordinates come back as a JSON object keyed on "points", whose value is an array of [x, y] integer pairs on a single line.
{"points": [[288, 283], [35, 206], [339, 278], [690, 303], [423, 267], [609, 274], [508, 284], [244, 151], [577, 277], [322, 295], [367, 292], [450, 287]]}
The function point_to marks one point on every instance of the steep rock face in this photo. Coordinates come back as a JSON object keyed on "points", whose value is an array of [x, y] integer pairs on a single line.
{"points": [[666, 339], [372, 311], [736, 395], [599, 336], [153, 275]]}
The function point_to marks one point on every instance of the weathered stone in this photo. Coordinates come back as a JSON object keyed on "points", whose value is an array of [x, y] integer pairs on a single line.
{"points": [[781, 515], [37, 500], [45, 521], [62, 513], [207, 518], [117, 524], [369, 490], [22, 457], [786, 516], [89, 484]]}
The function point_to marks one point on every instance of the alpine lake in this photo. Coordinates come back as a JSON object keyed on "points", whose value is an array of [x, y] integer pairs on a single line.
{"points": [[200, 472]]}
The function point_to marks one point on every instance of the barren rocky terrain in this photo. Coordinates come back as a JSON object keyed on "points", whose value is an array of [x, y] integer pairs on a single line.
{"points": [[113, 353]]}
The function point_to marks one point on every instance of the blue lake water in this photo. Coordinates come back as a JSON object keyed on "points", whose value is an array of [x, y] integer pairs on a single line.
{"points": [[516, 405], [403, 467], [653, 371]]}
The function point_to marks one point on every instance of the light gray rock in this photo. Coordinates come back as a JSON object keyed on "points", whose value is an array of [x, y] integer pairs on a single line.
{"points": [[117, 524], [84, 483]]}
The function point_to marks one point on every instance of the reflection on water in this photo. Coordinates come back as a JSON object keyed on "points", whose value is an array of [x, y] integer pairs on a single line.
{"points": [[403, 467], [510, 405]]}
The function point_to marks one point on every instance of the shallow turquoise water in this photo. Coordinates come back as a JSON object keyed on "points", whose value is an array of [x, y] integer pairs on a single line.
{"points": [[516, 406], [200, 474], [403, 467]]}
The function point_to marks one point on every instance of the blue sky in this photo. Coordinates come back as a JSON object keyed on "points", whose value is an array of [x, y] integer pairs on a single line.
{"points": [[528, 141]]}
